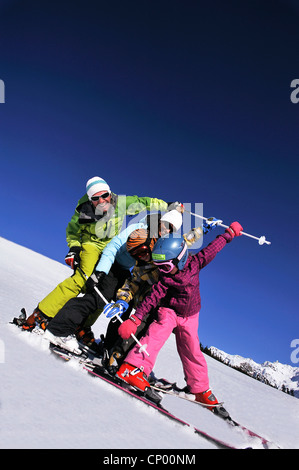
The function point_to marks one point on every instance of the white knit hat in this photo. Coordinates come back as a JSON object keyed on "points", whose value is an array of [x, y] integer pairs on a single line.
{"points": [[95, 185], [174, 218]]}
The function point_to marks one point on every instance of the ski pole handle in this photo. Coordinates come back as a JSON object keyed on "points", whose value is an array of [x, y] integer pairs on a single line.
{"points": [[261, 239]]}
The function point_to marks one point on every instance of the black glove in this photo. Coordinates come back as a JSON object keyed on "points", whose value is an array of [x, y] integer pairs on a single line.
{"points": [[95, 279], [73, 257]]}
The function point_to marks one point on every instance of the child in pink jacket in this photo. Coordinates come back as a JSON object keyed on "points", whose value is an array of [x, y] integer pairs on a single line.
{"points": [[177, 297]]}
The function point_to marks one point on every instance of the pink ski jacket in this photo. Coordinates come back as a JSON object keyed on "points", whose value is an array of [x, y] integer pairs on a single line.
{"points": [[181, 291]]}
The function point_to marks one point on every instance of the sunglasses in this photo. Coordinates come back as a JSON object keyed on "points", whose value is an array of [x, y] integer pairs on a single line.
{"points": [[102, 196]]}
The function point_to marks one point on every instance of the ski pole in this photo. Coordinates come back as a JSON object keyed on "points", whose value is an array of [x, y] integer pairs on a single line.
{"points": [[142, 346], [261, 239]]}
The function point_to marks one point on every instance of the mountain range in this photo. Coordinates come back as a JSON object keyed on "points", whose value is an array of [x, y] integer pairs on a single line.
{"points": [[281, 376]]}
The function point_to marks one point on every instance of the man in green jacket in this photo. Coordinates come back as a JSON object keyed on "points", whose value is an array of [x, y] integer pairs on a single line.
{"points": [[98, 217]]}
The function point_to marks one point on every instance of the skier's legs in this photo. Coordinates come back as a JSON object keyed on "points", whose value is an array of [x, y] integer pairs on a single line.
{"points": [[109, 287], [72, 314], [115, 344], [193, 360], [70, 287], [128, 344], [76, 311], [155, 337], [112, 338]]}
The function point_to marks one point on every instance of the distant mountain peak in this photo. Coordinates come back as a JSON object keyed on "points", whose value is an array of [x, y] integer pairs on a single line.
{"points": [[281, 376]]}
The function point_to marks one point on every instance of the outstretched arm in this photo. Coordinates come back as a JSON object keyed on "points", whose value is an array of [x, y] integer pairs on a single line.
{"points": [[206, 255]]}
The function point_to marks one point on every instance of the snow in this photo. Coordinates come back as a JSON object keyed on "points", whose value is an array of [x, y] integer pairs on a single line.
{"points": [[46, 403], [274, 373]]}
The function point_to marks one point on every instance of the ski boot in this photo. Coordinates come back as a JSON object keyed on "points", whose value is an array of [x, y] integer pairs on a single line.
{"points": [[86, 339], [208, 398], [136, 378], [113, 362], [85, 336], [133, 376], [37, 318], [69, 343]]}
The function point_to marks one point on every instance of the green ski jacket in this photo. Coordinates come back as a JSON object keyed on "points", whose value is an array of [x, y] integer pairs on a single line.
{"points": [[86, 226]]}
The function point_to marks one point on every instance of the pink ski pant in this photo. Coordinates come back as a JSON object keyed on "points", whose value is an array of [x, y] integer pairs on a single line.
{"points": [[194, 363]]}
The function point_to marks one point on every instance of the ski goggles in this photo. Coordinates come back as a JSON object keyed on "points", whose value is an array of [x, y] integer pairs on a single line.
{"points": [[101, 196], [142, 250], [167, 266]]}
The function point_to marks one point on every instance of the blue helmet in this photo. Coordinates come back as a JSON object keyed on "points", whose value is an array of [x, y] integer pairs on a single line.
{"points": [[170, 248]]}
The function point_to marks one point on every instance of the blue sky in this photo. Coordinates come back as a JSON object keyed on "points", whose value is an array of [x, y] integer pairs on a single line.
{"points": [[184, 101]]}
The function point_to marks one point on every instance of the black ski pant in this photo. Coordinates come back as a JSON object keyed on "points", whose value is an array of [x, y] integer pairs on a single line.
{"points": [[76, 311]]}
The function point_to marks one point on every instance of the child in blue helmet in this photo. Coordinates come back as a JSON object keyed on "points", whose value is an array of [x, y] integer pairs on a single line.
{"points": [[178, 297]]}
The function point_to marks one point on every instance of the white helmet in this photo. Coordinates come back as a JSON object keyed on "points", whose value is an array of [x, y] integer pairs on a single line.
{"points": [[174, 218]]}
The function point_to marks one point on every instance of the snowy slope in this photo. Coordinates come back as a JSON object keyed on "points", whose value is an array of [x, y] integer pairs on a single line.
{"points": [[45, 403]]}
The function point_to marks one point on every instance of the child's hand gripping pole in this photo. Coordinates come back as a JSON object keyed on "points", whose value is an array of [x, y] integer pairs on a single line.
{"points": [[118, 311], [114, 313], [261, 239]]}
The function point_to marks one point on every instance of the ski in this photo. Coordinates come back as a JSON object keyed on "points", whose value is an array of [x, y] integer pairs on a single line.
{"points": [[93, 364], [86, 358], [179, 393], [166, 387], [102, 373]]}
